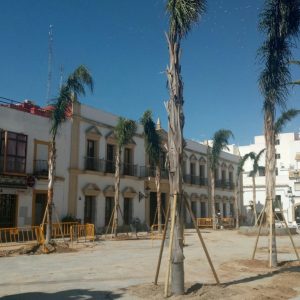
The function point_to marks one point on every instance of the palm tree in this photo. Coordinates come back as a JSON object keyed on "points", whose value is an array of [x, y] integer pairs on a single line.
{"points": [[153, 150], [253, 174], [279, 21], [124, 132], [220, 142], [61, 109], [285, 117], [183, 14]]}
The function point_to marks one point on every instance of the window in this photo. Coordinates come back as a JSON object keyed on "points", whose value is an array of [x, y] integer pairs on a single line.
{"points": [[202, 174], [231, 210], [216, 174], [8, 210], [277, 142], [89, 209], [41, 156], [277, 203], [193, 173], [91, 155], [203, 209], [277, 155], [194, 208], [223, 174], [128, 162], [40, 202], [110, 158], [230, 176], [128, 211], [261, 171], [109, 206], [224, 210], [13, 155], [276, 171]]}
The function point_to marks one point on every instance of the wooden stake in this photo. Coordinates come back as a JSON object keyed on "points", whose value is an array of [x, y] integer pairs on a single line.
{"points": [[289, 232], [258, 234], [173, 217], [187, 203], [162, 245]]}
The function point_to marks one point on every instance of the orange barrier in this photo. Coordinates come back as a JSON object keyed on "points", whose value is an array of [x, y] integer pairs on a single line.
{"points": [[79, 232], [208, 222], [205, 222], [21, 235], [60, 230]]}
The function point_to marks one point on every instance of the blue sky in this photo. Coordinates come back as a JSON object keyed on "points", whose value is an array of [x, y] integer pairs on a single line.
{"points": [[123, 44]]}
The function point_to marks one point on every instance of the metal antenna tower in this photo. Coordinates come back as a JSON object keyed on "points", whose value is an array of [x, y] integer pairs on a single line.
{"points": [[50, 53]]}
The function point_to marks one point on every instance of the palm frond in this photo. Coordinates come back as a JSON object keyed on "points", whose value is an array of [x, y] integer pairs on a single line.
{"points": [[220, 142], [285, 117], [280, 22], [124, 131], [183, 14], [255, 163], [242, 161], [151, 137]]}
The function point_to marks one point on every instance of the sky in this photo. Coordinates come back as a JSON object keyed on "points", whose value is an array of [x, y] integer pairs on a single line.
{"points": [[123, 45]]}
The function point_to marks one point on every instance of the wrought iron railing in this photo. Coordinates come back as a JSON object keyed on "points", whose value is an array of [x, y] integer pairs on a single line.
{"points": [[147, 171], [192, 179], [40, 167]]}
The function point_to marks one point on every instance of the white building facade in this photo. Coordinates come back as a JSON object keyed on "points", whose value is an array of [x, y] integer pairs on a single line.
{"points": [[84, 186], [287, 175]]}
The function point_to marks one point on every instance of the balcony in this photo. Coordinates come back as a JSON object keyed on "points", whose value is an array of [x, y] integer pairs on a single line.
{"points": [[192, 179], [40, 168], [147, 171], [129, 169], [222, 184], [94, 164]]}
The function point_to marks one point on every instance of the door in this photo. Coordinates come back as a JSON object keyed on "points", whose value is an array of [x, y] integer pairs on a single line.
{"points": [[153, 208], [40, 203], [91, 155], [203, 209], [109, 206], [128, 211], [110, 158], [128, 166], [297, 214], [224, 210], [8, 210], [89, 209]]}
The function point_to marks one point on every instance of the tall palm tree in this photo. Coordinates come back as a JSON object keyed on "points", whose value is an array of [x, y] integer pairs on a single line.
{"points": [[61, 109], [253, 174], [285, 117], [220, 142], [183, 14], [124, 132], [279, 21], [153, 150]]}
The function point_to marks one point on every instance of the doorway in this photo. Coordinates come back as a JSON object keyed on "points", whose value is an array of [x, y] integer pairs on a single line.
{"points": [[8, 210], [39, 207], [297, 214], [153, 207], [89, 209]]}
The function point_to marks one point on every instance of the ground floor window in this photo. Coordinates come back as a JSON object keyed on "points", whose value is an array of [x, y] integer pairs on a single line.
{"points": [[40, 202], [224, 210], [8, 210], [128, 210], [89, 209], [217, 206], [203, 209], [231, 210], [109, 206], [194, 208]]}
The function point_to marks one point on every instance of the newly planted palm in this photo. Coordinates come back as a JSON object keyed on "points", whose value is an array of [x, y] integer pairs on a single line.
{"points": [[124, 132], [183, 14], [253, 174], [279, 21], [61, 109], [153, 150], [220, 142]]}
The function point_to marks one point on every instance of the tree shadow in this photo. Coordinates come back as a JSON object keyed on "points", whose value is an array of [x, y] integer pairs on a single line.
{"points": [[75, 294], [283, 269]]}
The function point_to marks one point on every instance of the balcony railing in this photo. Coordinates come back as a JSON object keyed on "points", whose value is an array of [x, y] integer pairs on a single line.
{"points": [[40, 168], [94, 164], [129, 169], [224, 184], [192, 179], [146, 171]]}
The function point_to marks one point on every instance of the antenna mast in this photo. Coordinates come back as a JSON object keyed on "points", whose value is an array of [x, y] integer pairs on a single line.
{"points": [[49, 62]]}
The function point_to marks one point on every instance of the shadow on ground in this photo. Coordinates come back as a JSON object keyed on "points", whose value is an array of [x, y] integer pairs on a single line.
{"points": [[65, 295]]}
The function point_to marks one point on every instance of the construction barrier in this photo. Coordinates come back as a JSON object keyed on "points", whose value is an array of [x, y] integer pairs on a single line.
{"points": [[154, 233], [205, 222], [60, 230], [79, 232], [21, 235], [227, 222]]}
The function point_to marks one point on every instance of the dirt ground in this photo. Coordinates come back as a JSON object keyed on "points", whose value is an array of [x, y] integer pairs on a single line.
{"points": [[125, 270]]}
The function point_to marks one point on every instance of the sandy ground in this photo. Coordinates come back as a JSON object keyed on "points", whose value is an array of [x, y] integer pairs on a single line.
{"points": [[126, 269]]}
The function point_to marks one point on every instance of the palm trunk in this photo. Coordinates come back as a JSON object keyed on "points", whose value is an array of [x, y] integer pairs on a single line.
{"points": [[175, 152], [51, 174], [213, 204], [270, 182], [158, 197], [236, 204], [117, 191], [254, 199]]}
